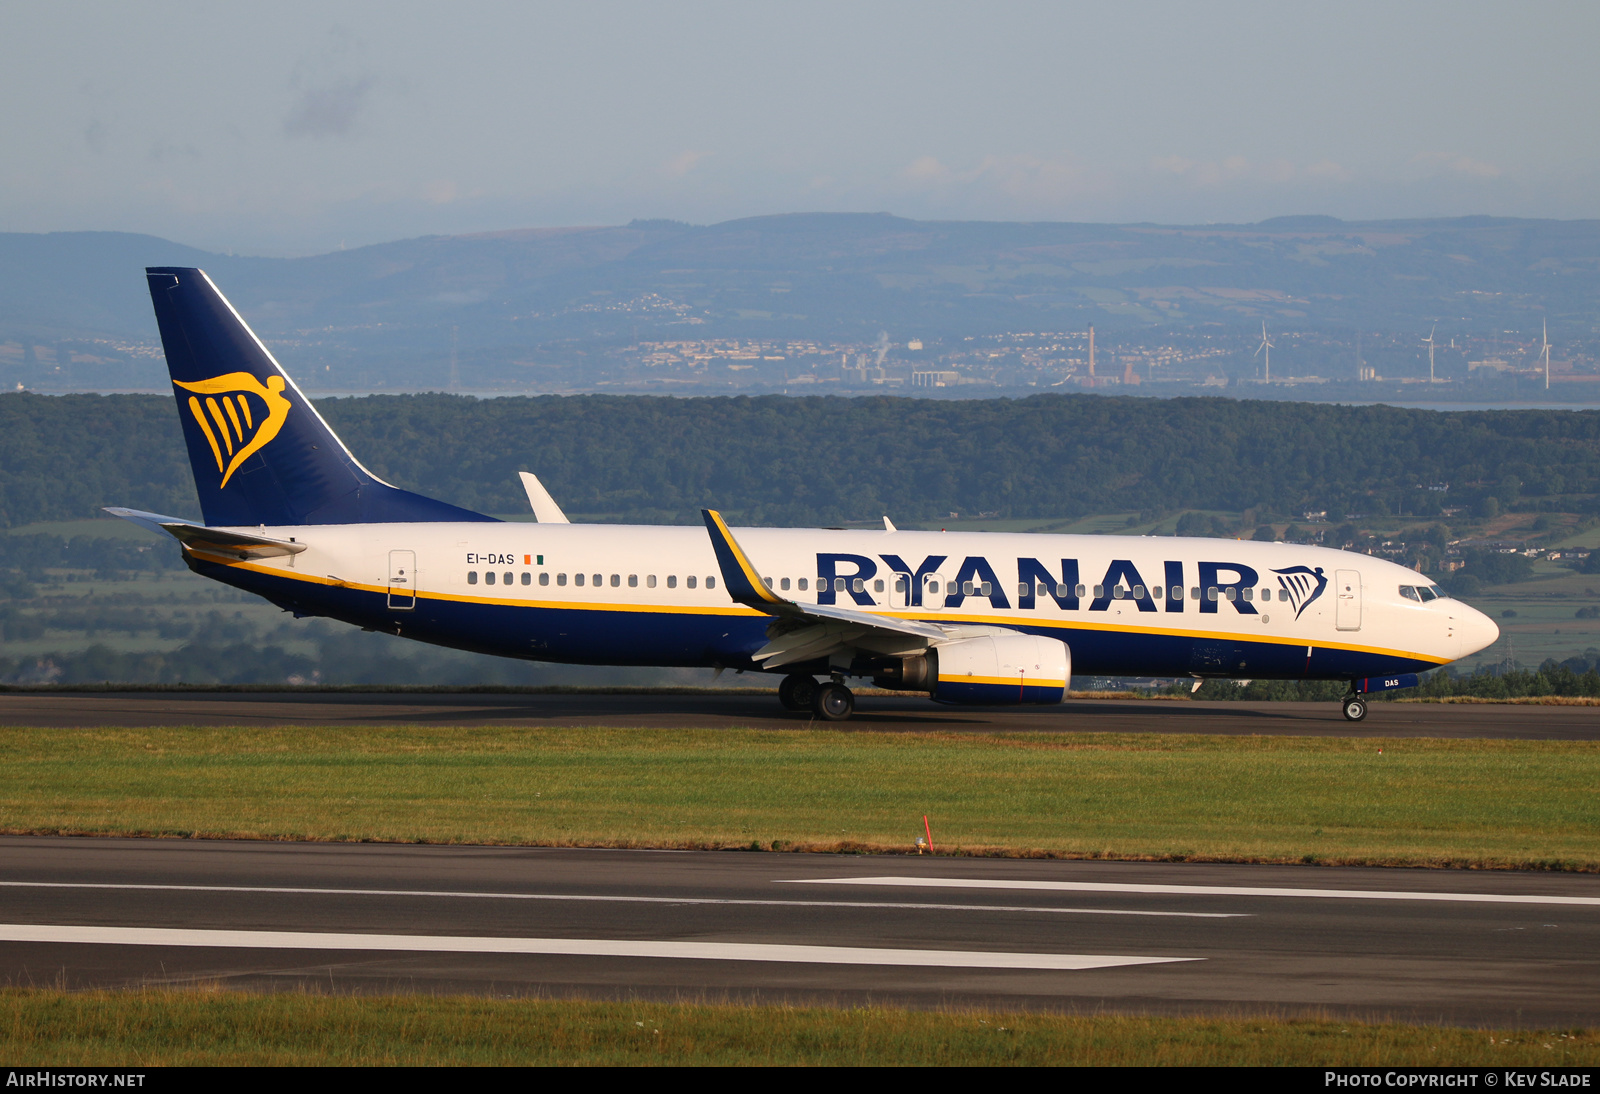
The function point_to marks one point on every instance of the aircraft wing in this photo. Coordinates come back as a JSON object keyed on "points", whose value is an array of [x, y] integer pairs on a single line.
{"points": [[215, 541], [807, 632]]}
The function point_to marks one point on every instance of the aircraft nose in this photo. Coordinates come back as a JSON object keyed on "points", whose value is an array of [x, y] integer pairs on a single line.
{"points": [[1475, 631]]}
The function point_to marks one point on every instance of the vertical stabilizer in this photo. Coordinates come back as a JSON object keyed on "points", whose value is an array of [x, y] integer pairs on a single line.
{"points": [[260, 452]]}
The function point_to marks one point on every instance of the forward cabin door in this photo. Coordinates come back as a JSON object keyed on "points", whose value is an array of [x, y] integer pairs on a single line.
{"points": [[1347, 583], [402, 580]]}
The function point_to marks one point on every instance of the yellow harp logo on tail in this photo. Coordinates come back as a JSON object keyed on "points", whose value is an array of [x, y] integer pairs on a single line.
{"points": [[235, 428]]}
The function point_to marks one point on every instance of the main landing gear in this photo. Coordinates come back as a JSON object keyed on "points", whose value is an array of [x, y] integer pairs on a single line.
{"points": [[831, 702], [1355, 708]]}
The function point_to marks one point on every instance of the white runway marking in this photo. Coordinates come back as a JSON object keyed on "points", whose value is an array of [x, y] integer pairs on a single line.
{"points": [[581, 947], [467, 894], [1195, 890]]}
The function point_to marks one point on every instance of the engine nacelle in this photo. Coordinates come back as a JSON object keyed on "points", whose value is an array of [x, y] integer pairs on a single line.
{"points": [[1006, 668]]}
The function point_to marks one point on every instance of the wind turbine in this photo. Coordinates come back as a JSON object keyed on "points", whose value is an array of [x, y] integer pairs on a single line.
{"points": [[1546, 339], [1428, 341], [1265, 345]]}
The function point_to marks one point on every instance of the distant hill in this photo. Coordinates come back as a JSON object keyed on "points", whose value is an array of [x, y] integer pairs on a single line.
{"points": [[829, 272], [822, 276]]}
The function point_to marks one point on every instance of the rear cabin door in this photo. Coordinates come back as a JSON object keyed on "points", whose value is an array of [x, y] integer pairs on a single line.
{"points": [[1347, 584], [402, 580]]}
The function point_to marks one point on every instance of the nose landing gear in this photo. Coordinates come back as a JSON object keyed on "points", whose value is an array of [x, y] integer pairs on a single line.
{"points": [[1355, 708]]}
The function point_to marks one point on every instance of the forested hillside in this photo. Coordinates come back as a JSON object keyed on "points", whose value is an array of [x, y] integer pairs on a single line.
{"points": [[782, 460]]}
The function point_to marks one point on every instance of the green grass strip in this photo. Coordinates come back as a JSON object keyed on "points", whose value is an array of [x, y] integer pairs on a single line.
{"points": [[41, 1028], [1499, 803]]}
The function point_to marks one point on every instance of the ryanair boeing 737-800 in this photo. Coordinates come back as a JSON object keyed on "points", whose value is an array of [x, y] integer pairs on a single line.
{"points": [[291, 515]]}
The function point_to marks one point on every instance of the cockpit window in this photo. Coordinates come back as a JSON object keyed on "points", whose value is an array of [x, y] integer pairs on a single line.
{"points": [[1427, 593], [1409, 592], [1438, 592]]}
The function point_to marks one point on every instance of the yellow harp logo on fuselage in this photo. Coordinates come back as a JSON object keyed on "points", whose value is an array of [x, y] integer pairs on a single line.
{"points": [[237, 430]]}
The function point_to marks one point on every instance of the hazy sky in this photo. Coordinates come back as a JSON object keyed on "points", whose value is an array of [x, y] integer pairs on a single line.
{"points": [[295, 127]]}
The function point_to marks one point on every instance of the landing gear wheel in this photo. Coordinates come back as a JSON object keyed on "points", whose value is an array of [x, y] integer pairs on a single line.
{"points": [[833, 702], [797, 692], [1355, 708]]}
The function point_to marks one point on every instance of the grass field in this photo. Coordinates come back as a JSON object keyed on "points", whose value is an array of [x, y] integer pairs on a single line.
{"points": [[1417, 802], [156, 1028]]}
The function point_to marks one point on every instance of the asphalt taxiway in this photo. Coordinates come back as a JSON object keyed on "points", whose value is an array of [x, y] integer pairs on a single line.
{"points": [[1478, 948], [712, 710]]}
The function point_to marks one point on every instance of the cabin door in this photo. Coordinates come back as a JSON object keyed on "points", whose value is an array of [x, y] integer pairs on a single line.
{"points": [[933, 592], [402, 580], [1347, 583]]}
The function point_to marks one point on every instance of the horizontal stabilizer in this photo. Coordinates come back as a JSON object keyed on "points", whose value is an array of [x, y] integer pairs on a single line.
{"points": [[215, 541]]}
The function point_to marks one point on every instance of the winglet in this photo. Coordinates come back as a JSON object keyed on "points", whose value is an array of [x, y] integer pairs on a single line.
{"points": [[545, 509], [738, 575]]}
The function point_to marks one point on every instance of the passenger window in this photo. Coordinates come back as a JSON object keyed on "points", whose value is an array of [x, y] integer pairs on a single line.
{"points": [[616, 581], [488, 577], [672, 581], [1232, 593], [633, 581], [472, 577], [1177, 592], [966, 588], [1081, 592], [933, 586], [1061, 591], [1157, 591], [689, 582], [544, 578], [1194, 593], [1023, 588], [877, 586], [802, 583], [510, 578], [858, 585], [650, 581], [1118, 592], [577, 579], [599, 579], [1266, 594], [1099, 591], [561, 579], [768, 581], [711, 583], [1138, 592], [1249, 594], [838, 584], [527, 578], [783, 584], [1211, 593], [1409, 593]]}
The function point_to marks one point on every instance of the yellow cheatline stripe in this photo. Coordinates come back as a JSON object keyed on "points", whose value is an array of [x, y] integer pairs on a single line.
{"points": [[199, 416], [222, 426], [743, 560], [567, 605], [1005, 681], [741, 610]]}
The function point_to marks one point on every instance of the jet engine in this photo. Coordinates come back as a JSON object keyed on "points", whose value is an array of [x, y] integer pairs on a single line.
{"points": [[992, 669]]}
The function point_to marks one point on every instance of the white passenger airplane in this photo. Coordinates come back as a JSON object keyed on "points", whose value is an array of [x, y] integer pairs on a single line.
{"points": [[293, 516]]}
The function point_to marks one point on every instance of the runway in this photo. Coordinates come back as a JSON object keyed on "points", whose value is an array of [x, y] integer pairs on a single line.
{"points": [[1478, 948], [712, 711]]}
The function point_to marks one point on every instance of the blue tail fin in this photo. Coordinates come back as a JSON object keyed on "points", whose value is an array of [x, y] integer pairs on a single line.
{"points": [[261, 453]]}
